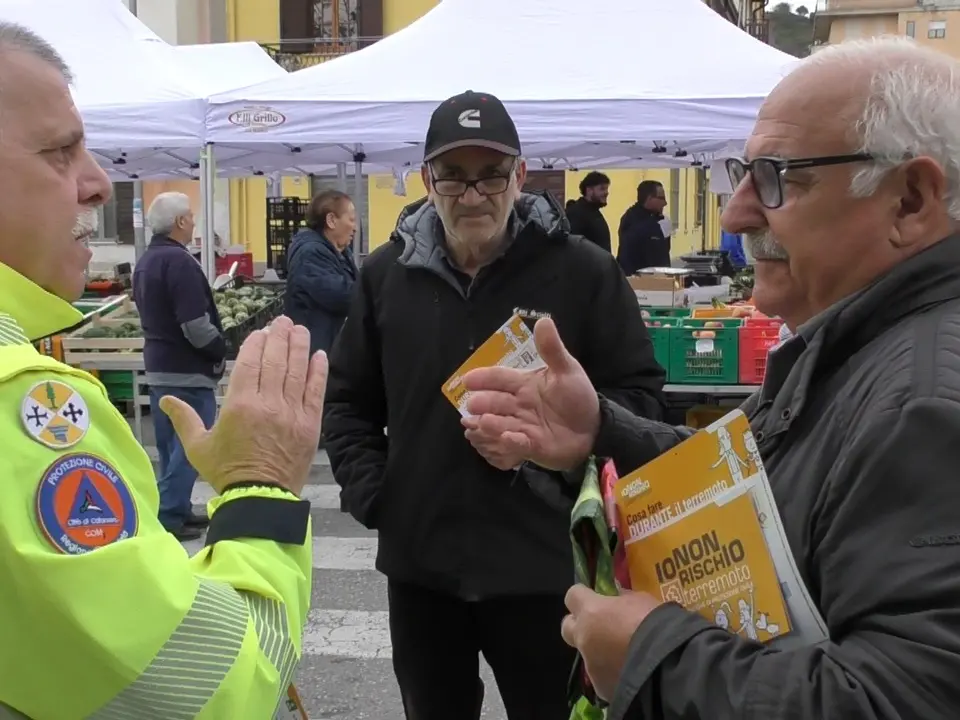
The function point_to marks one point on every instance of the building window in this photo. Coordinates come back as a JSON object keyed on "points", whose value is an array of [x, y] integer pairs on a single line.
{"points": [[911, 28], [937, 30]]}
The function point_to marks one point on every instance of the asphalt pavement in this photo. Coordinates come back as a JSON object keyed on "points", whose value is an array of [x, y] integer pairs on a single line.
{"points": [[346, 670]]}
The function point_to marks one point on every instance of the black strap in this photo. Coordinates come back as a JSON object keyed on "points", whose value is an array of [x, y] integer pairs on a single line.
{"points": [[260, 518]]}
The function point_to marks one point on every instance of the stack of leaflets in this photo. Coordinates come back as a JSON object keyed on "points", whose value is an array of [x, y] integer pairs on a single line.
{"points": [[510, 346], [701, 529]]}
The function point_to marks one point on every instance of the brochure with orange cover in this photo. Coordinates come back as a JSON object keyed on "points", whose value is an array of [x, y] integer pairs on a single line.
{"points": [[510, 346], [715, 562], [701, 528]]}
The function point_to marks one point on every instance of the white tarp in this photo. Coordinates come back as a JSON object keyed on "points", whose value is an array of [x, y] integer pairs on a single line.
{"points": [[142, 101], [127, 100], [607, 79]]}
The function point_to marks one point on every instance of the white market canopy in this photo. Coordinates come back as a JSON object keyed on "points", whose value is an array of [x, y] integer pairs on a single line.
{"points": [[127, 99], [142, 101], [205, 69], [588, 84]]}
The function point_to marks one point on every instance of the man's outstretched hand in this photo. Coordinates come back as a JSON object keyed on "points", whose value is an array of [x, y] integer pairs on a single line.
{"points": [[549, 416]]}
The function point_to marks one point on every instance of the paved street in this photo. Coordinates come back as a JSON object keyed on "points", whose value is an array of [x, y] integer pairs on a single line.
{"points": [[346, 670]]}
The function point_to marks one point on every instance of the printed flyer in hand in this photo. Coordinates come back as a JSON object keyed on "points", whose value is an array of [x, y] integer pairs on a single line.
{"points": [[510, 346], [701, 529]]}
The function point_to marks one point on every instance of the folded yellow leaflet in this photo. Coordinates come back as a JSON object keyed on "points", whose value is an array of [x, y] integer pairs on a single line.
{"points": [[694, 534], [511, 345], [714, 562]]}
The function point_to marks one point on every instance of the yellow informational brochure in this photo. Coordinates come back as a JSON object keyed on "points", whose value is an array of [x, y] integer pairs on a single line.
{"points": [[701, 529], [510, 346], [715, 562]]}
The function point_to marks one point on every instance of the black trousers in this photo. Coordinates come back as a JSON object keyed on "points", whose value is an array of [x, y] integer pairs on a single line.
{"points": [[437, 640]]}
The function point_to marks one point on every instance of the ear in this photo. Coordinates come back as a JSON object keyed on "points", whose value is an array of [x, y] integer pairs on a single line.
{"points": [[330, 220], [920, 185], [521, 173], [425, 177]]}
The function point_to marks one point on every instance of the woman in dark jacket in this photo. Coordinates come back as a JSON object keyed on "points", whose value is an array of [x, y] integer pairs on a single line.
{"points": [[321, 270]]}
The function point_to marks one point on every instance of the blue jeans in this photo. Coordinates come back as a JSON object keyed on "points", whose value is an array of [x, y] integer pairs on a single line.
{"points": [[177, 475]]}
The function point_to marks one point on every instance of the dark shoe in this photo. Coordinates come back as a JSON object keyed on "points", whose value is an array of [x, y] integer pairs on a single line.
{"points": [[197, 520], [187, 533]]}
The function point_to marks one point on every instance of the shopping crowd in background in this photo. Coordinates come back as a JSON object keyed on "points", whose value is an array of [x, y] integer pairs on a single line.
{"points": [[855, 241]]}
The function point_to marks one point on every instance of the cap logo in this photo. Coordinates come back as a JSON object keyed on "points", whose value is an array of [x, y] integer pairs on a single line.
{"points": [[469, 119]]}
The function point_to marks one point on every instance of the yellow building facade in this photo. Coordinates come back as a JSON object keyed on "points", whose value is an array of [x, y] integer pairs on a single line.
{"points": [[693, 209], [931, 25]]}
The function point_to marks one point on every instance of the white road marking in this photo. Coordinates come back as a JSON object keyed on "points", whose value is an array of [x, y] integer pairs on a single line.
{"points": [[347, 633], [335, 553], [321, 497]]}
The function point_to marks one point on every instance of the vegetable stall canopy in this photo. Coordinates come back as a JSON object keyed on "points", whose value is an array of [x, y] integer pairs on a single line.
{"points": [[142, 101], [609, 82]]}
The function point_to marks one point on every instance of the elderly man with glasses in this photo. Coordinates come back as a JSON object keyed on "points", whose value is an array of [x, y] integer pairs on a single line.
{"points": [[851, 185], [474, 542]]}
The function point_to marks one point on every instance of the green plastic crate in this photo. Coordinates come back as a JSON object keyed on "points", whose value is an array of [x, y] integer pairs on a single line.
{"points": [[666, 312], [660, 337], [704, 361], [119, 384], [724, 322]]}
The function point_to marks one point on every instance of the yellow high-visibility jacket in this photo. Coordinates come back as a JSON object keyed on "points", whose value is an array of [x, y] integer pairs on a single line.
{"points": [[102, 613]]}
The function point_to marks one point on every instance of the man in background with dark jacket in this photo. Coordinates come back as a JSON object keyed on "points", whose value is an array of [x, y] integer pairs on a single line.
{"points": [[183, 352], [644, 234], [584, 214], [475, 544]]}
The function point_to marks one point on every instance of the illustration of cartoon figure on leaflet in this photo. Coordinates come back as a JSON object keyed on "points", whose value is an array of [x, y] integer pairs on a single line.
{"points": [[748, 625], [728, 455]]}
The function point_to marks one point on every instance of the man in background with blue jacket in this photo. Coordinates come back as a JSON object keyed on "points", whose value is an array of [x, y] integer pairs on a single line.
{"points": [[183, 353]]}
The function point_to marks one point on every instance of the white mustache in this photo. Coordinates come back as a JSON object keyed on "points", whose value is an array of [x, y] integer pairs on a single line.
{"points": [[87, 223], [762, 246]]}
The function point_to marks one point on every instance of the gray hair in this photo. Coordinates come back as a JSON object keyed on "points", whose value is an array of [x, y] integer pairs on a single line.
{"points": [[17, 37], [164, 211], [912, 109]]}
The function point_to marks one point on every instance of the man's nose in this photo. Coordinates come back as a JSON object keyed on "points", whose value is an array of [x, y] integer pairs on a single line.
{"points": [[471, 197], [93, 186], [743, 212]]}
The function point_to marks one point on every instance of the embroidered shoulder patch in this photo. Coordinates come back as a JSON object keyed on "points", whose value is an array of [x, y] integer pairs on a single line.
{"points": [[83, 504], [55, 415]]}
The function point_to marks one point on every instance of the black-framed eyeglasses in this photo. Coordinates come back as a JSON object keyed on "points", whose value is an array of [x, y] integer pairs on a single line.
{"points": [[486, 185], [767, 173]]}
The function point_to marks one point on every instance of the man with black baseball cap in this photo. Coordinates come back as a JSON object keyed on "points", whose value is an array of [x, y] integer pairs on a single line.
{"points": [[471, 120], [474, 544]]}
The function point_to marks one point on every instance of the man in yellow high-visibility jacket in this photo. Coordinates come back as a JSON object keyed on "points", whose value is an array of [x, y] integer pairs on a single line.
{"points": [[102, 614]]}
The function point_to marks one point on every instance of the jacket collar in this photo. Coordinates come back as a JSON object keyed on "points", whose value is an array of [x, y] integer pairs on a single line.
{"points": [[929, 278], [37, 312], [159, 239], [420, 230]]}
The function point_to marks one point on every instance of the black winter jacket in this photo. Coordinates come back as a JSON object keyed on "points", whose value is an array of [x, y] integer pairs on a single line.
{"points": [[447, 519], [858, 425], [642, 242], [319, 284], [587, 220]]}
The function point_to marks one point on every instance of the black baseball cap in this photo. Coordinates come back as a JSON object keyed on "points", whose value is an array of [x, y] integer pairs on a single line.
{"points": [[471, 120]]}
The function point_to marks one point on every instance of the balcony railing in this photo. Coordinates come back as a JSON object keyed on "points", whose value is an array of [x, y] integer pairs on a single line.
{"points": [[294, 55]]}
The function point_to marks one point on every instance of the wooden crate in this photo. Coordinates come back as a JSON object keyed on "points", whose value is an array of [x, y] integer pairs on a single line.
{"points": [[79, 349]]}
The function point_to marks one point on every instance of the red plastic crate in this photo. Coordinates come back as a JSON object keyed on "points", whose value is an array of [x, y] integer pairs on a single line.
{"points": [[757, 337], [244, 263]]}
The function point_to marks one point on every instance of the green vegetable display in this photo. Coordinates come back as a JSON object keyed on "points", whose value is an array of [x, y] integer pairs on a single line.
{"points": [[234, 306], [237, 306]]}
